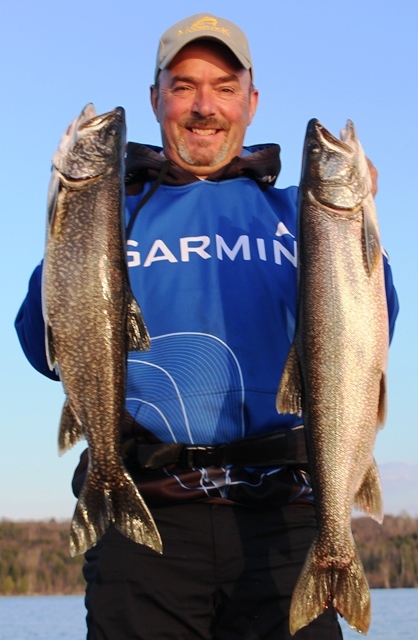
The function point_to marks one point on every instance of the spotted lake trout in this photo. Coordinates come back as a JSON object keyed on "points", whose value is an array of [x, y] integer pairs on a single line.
{"points": [[92, 320], [335, 371]]}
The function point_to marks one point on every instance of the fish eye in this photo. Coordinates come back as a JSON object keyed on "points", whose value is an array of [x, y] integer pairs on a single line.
{"points": [[112, 130], [314, 147]]}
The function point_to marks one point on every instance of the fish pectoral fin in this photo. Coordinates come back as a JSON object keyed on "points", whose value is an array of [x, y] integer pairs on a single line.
{"points": [[51, 356], [371, 239], [369, 497], [137, 332], [101, 504], [53, 190], [382, 406], [70, 429], [289, 395], [344, 586]]}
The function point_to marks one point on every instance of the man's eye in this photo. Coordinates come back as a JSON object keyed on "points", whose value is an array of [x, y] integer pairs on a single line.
{"points": [[181, 88], [227, 90]]}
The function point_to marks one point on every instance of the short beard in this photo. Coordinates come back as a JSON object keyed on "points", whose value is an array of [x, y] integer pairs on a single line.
{"points": [[204, 159]]}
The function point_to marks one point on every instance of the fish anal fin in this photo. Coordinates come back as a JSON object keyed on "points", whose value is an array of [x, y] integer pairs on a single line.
{"points": [[369, 496], [382, 406], [137, 332], [70, 429], [289, 395], [99, 506], [345, 586], [371, 238]]}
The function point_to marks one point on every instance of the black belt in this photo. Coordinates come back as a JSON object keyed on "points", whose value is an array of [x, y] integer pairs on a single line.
{"points": [[283, 447]]}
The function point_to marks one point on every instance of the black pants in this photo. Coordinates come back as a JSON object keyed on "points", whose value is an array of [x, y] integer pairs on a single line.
{"points": [[227, 573]]}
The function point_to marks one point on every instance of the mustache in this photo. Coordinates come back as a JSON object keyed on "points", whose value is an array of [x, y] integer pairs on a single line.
{"points": [[196, 122]]}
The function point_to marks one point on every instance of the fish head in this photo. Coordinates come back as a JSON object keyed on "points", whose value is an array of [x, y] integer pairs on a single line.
{"points": [[91, 144], [335, 170], [66, 143]]}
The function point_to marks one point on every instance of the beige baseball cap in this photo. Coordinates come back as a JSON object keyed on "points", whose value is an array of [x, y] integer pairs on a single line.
{"points": [[202, 25]]}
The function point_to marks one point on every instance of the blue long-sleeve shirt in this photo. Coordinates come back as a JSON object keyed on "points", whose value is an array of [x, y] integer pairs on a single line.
{"points": [[214, 268]]}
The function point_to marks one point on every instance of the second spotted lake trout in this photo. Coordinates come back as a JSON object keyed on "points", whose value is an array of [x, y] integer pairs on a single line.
{"points": [[92, 321], [335, 371]]}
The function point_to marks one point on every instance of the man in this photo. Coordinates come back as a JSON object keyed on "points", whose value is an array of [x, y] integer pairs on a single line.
{"points": [[212, 257]]}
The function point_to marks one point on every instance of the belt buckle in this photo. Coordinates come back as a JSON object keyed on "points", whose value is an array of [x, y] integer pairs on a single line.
{"points": [[199, 456]]}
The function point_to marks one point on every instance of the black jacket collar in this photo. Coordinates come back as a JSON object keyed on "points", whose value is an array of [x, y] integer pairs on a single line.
{"points": [[145, 163]]}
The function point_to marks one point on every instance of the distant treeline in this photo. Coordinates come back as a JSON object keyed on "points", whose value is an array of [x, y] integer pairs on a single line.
{"points": [[35, 559], [389, 552]]}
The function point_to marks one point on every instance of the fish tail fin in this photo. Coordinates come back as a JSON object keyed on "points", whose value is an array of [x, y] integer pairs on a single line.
{"points": [[289, 395], [121, 505], [132, 518], [369, 497], [70, 429], [138, 336], [90, 520], [345, 587], [351, 597]]}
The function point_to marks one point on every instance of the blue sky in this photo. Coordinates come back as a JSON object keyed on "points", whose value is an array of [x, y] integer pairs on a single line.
{"points": [[327, 59]]}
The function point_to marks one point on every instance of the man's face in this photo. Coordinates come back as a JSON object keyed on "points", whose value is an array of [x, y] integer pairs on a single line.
{"points": [[204, 102]]}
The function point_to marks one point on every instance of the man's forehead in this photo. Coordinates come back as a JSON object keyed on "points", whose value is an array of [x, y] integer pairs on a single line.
{"points": [[210, 51]]}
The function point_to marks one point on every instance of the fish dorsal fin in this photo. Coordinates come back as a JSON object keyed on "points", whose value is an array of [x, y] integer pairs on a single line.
{"points": [[289, 395], [369, 497], [371, 239], [137, 332]]}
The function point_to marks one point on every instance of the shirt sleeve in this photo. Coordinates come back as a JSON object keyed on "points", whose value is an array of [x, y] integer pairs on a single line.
{"points": [[30, 326], [391, 296]]}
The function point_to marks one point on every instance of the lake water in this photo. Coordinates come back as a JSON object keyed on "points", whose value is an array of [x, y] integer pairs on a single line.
{"points": [[394, 617], [42, 618]]}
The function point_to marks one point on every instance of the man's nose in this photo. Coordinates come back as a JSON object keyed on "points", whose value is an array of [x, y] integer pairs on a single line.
{"points": [[204, 103]]}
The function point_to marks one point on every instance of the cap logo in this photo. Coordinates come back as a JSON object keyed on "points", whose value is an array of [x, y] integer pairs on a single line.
{"points": [[205, 24]]}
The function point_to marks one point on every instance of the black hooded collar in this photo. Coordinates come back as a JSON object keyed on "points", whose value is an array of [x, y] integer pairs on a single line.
{"points": [[144, 163]]}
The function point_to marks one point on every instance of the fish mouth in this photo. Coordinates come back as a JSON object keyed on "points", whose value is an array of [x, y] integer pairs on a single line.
{"points": [[96, 121], [334, 166], [316, 132]]}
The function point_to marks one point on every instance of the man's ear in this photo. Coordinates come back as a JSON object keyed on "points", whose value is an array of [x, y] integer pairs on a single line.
{"points": [[253, 104], [154, 99]]}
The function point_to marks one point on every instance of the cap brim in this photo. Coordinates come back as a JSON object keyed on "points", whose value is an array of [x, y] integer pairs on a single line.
{"points": [[202, 35]]}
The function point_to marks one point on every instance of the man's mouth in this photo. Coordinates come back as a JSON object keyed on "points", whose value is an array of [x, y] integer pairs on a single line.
{"points": [[204, 132]]}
